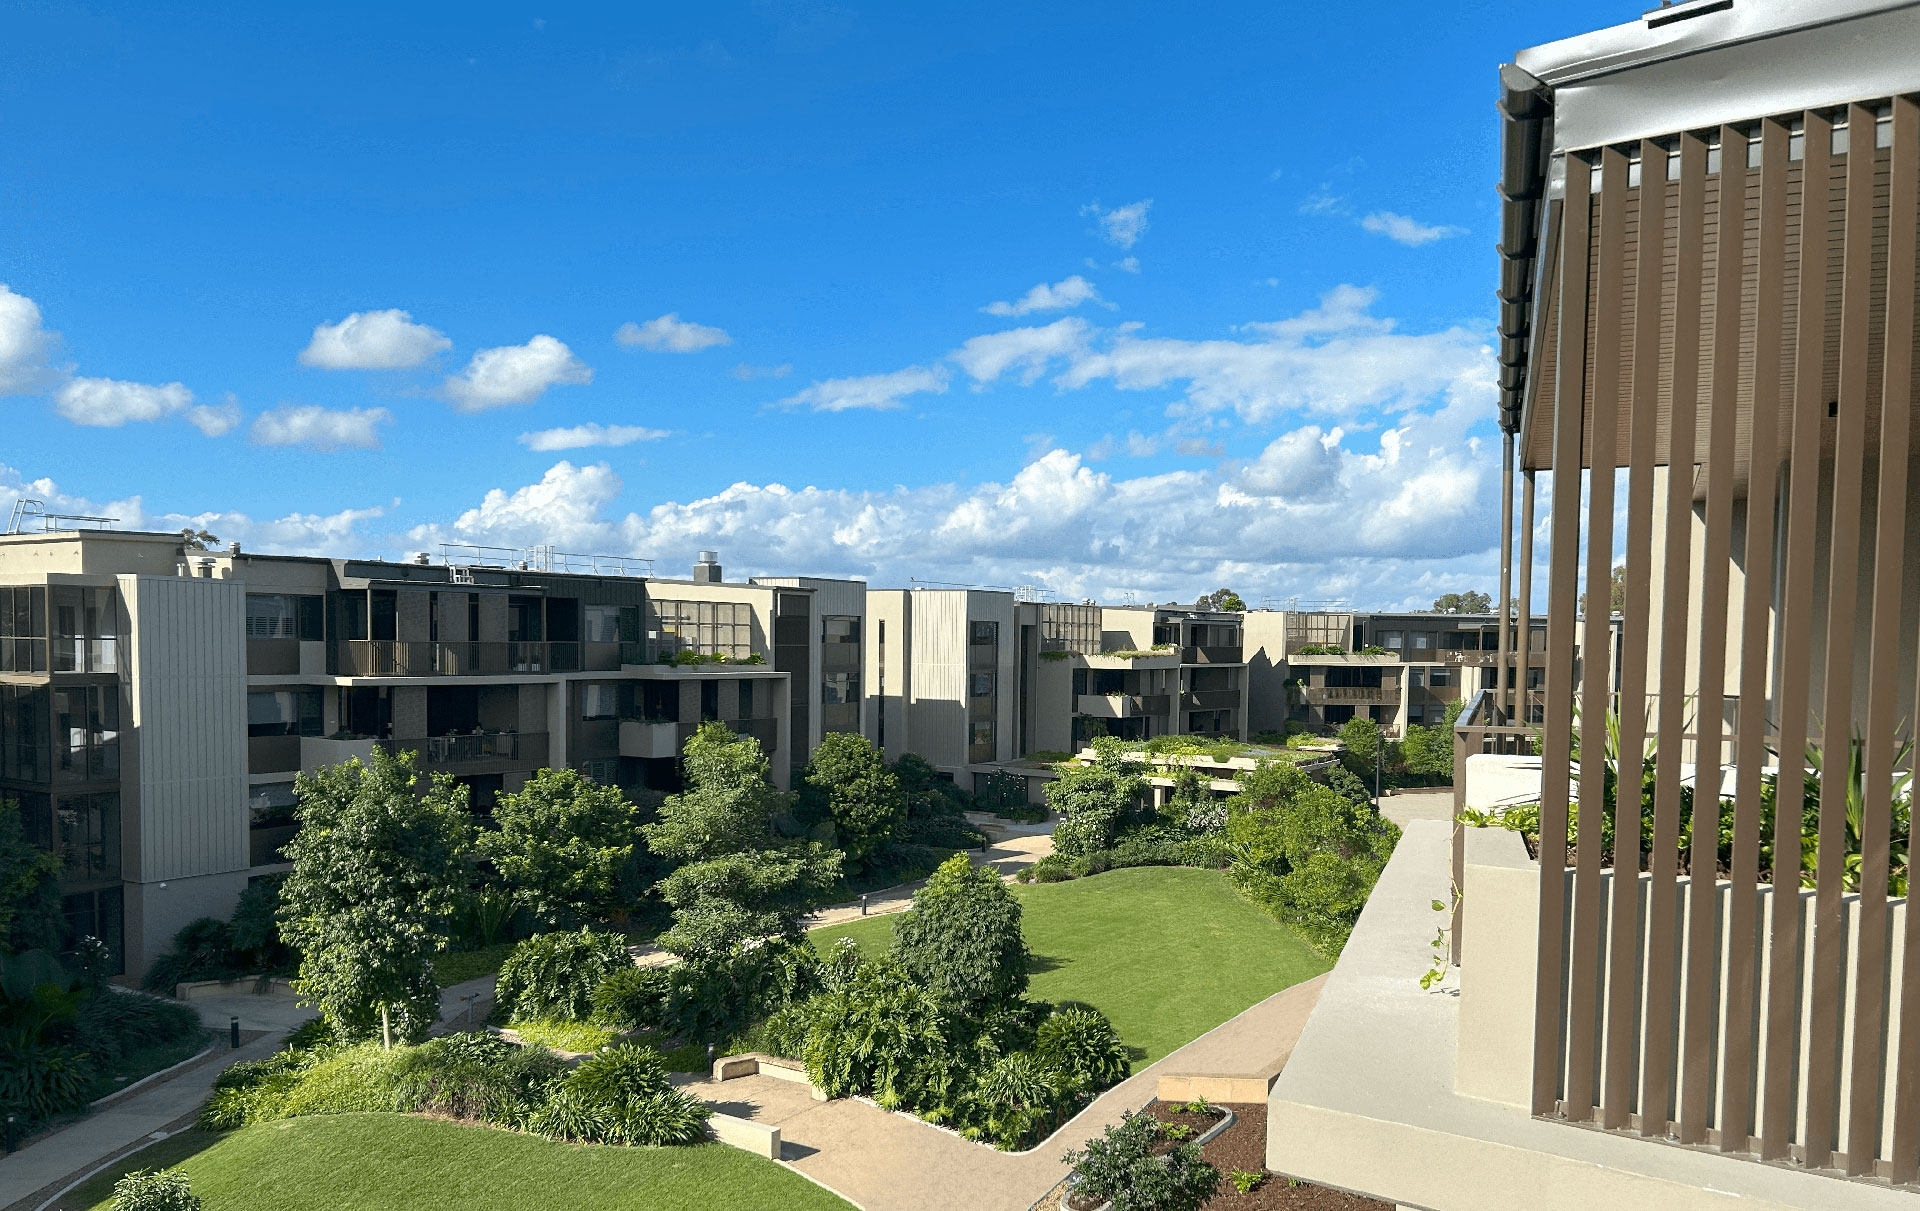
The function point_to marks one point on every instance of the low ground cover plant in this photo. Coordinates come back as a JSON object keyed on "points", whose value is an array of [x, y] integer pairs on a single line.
{"points": [[161, 1190], [1137, 1166]]}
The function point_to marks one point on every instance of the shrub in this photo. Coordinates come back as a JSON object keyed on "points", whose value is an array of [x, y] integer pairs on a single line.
{"points": [[111, 1024], [882, 1035], [625, 1088], [255, 929], [154, 1190], [1094, 801], [1081, 1043], [202, 950], [553, 975], [41, 1081], [1019, 1097], [848, 783], [961, 938], [1120, 1166], [632, 998]]}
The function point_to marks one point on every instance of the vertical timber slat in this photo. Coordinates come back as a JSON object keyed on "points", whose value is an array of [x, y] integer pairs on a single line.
{"points": [[1623, 996], [1780, 1054], [1657, 1058], [1602, 428], [1902, 217], [1750, 750], [1880, 757], [1569, 390], [1843, 592]]}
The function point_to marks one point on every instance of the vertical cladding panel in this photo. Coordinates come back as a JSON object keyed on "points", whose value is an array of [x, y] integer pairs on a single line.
{"points": [[493, 618], [938, 698], [188, 669], [411, 615]]}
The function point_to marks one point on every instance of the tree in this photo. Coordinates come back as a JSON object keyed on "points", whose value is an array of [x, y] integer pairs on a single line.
{"points": [[961, 938], [848, 783], [1469, 602], [1361, 736], [376, 868], [562, 845], [1616, 591], [738, 881], [1094, 801], [30, 917], [1220, 599], [197, 540]]}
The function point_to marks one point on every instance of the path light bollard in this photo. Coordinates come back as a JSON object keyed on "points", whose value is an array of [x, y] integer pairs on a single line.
{"points": [[233, 1031], [9, 1140], [709, 1057], [863, 903]]}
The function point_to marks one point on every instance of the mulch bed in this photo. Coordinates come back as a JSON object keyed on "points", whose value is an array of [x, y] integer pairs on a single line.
{"points": [[1242, 1146]]}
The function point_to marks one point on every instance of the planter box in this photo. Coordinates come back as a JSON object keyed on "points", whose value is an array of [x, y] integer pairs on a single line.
{"points": [[257, 986]]}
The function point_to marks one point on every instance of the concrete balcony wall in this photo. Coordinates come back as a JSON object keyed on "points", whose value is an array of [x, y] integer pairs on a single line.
{"points": [[273, 754], [647, 741], [318, 751]]}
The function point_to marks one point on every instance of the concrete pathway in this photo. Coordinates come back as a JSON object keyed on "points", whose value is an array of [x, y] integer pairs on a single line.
{"points": [[893, 1162], [122, 1125], [1408, 806]]}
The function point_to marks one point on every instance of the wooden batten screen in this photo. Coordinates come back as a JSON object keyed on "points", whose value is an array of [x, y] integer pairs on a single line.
{"points": [[1726, 956]]}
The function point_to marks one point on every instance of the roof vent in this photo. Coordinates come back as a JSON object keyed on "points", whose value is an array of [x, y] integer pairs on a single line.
{"points": [[233, 548], [422, 558], [707, 569]]}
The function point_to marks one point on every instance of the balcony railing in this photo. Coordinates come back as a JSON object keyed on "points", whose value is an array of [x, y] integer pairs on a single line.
{"points": [[1211, 655], [1125, 706], [420, 658], [1340, 695], [519, 750]]}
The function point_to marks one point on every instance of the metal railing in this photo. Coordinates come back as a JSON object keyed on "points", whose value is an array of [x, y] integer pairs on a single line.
{"points": [[421, 658]]}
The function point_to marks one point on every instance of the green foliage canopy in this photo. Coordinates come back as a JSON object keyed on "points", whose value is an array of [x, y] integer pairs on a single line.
{"points": [[848, 782], [961, 938], [562, 845]]}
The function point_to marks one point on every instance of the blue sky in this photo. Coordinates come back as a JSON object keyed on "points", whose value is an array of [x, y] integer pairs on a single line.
{"points": [[1242, 264]]}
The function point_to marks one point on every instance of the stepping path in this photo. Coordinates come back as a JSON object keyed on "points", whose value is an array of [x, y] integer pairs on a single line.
{"points": [[884, 1161]]}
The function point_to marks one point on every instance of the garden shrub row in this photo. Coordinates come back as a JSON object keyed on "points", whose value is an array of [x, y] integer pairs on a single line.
{"points": [[617, 1096]]}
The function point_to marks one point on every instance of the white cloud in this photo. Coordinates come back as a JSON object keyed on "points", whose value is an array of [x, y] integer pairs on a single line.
{"points": [[216, 420], [514, 374], [1128, 264], [24, 345], [108, 403], [1060, 296], [1123, 225], [671, 334], [746, 373], [373, 340], [875, 391], [1403, 230], [1333, 360], [579, 437], [1030, 350], [315, 428]]}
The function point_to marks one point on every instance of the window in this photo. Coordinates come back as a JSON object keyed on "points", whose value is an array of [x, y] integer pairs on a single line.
{"points": [[980, 685], [1439, 678], [711, 628], [600, 624], [709, 700], [981, 747], [599, 700], [86, 630], [1391, 640], [86, 731], [97, 914], [746, 699], [602, 770], [839, 688], [1413, 676], [23, 629], [982, 631], [271, 804], [1422, 640], [25, 746], [271, 616], [839, 629], [89, 835], [284, 712]]}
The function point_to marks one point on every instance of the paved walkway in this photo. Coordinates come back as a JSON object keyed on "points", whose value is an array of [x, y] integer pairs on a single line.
{"points": [[1408, 806], [894, 1162]]}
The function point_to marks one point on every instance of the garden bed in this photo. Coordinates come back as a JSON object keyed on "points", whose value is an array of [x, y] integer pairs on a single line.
{"points": [[1241, 1147]]}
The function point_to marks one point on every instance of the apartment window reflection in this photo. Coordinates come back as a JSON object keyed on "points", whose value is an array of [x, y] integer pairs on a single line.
{"points": [[86, 730], [284, 712], [86, 630], [23, 629], [89, 836]]}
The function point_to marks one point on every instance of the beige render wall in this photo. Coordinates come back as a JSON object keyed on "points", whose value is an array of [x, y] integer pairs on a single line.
{"points": [[885, 680], [1264, 648], [1124, 628]]}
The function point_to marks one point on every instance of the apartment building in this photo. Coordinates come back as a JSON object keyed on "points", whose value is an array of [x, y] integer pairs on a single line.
{"points": [[1709, 262], [1181, 673], [1319, 669], [156, 703]]}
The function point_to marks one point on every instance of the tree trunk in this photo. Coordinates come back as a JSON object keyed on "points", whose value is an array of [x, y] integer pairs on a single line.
{"points": [[386, 1030]]}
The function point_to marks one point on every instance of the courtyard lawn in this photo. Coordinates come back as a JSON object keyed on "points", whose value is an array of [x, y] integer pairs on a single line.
{"points": [[396, 1162], [1166, 952]]}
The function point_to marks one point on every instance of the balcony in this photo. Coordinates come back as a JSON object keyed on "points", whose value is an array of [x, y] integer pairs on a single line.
{"points": [[265, 845], [1210, 700], [273, 657], [1122, 706], [318, 751], [482, 753], [273, 754], [408, 658], [1351, 695], [649, 739], [1207, 655]]}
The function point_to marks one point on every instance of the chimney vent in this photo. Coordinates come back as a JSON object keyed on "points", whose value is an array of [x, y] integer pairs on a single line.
{"points": [[421, 558], [707, 569], [233, 548]]}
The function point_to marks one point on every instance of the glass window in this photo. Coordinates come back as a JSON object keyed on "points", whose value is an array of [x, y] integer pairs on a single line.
{"points": [[746, 699], [1440, 677], [86, 630], [839, 630], [270, 616], [89, 835], [599, 700], [1422, 640], [981, 748], [271, 804], [600, 624], [295, 712], [23, 629], [86, 731], [984, 631], [980, 685], [837, 689], [1390, 640], [25, 743], [1413, 677]]}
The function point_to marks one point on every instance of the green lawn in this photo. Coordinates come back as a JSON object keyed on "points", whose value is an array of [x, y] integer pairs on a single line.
{"points": [[394, 1162], [1166, 952]]}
